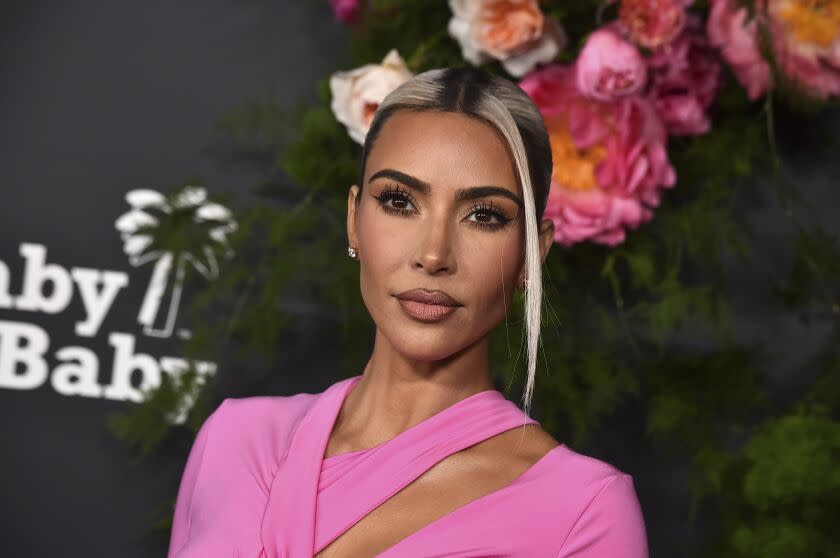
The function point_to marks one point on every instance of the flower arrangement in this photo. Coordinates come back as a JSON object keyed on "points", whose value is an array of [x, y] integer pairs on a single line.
{"points": [[651, 73]]}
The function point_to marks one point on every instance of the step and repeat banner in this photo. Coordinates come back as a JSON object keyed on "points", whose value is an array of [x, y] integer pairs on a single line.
{"points": [[31, 359], [104, 106]]}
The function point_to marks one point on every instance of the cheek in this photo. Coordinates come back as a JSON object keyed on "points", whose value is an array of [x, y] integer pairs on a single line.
{"points": [[381, 246], [492, 263]]}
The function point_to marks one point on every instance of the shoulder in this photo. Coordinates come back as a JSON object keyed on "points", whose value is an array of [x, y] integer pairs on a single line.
{"points": [[260, 426], [602, 513], [582, 471], [247, 437], [259, 418], [227, 478], [257, 429]]}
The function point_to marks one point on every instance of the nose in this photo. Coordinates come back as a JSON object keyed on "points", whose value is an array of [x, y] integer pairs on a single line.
{"points": [[435, 253]]}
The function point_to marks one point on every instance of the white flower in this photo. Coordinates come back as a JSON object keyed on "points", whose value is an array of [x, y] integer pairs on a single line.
{"points": [[356, 94], [515, 32]]}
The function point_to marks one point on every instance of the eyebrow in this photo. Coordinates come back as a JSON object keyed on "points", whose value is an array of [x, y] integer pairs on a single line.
{"points": [[461, 194]]}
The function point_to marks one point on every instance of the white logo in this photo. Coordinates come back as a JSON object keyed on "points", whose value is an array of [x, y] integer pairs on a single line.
{"points": [[171, 231], [185, 228]]}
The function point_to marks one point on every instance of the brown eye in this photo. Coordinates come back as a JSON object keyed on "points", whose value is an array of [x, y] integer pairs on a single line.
{"points": [[484, 216], [487, 216], [395, 200], [398, 202]]}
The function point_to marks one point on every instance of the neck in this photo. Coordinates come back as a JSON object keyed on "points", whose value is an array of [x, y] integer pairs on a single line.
{"points": [[397, 392]]}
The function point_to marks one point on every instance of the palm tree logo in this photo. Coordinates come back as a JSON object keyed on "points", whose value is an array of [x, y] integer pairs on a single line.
{"points": [[172, 231]]}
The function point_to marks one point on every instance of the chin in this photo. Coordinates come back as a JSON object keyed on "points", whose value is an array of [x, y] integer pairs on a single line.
{"points": [[427, 346]]}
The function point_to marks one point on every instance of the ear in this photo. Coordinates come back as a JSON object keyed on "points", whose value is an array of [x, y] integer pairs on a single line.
{"points": [[545, 240], [546, 237], [352, 240]]}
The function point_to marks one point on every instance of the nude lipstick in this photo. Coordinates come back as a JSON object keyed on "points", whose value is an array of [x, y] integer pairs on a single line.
{"points": [[427, 306]]}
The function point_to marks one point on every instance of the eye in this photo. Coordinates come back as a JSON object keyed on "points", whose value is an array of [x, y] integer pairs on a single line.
{"points": [[394, 199], [487, 215]]}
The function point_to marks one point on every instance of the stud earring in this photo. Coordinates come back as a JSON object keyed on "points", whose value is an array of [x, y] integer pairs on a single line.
{"points": [[351, 252]]}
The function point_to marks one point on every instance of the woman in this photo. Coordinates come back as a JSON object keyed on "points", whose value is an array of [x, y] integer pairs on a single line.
{"points": [[419, 455]]}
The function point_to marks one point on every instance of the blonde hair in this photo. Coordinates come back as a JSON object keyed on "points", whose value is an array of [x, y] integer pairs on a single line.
{"points": [[505, 106]]}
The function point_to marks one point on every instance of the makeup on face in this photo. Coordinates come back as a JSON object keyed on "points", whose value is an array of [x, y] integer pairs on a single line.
{"points": [[441, 219], [427, 306], [397, 198]]}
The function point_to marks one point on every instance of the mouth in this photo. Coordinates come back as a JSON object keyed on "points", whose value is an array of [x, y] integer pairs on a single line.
{"points": [[426, 305]]}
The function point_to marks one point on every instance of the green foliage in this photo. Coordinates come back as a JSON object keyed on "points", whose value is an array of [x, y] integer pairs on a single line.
{"points": [[144, 426], [792, 488], [813, 285], [648, 323], [417, 32], [793, 465], [321, 134]]}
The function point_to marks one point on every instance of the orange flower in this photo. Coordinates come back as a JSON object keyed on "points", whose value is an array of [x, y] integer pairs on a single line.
{"points": [[811, 21], [505, 26], [515, 32], [573, 167], [653, 23]]}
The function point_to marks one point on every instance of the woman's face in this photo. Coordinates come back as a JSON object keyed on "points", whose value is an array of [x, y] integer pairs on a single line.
{"points": [[440, 232]]}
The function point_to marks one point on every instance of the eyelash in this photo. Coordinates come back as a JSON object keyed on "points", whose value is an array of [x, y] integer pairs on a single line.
{"points": [[494, 211], [393, 192]]}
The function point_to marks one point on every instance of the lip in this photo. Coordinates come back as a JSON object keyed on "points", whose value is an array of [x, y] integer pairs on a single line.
{"points": [[427, 305]]}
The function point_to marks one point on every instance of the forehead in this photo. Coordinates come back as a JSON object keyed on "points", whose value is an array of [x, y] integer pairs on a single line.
{"points": [[444, 148]]}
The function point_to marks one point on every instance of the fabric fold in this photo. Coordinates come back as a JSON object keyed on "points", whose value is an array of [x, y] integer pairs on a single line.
{"points": [[357, 483]]}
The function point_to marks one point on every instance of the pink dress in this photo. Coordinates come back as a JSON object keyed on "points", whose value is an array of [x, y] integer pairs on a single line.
{"points": [[256, 485]]}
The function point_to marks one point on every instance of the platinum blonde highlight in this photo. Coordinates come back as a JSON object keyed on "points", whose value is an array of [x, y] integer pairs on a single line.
{"points": [[495, 111], [503, 105]]}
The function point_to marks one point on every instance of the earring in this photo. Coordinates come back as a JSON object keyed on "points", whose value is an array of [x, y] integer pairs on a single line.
{"points": [[351, 252]]}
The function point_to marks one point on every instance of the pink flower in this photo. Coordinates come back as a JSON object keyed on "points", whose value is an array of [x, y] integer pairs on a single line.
{"points": [[684, 80], [652, 23], [730, 30], [806, 43], [609, 67], [610, 161], [346, 11]]}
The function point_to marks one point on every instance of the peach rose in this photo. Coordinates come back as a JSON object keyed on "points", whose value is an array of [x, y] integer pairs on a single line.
{"points": [[356, 94], [515, 32]]}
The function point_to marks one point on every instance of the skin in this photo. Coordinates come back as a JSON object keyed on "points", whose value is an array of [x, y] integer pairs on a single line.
{"points": [[419, 369]]}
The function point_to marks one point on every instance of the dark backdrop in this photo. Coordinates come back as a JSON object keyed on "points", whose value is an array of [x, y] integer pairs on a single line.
{"points": [[99, 98]]}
